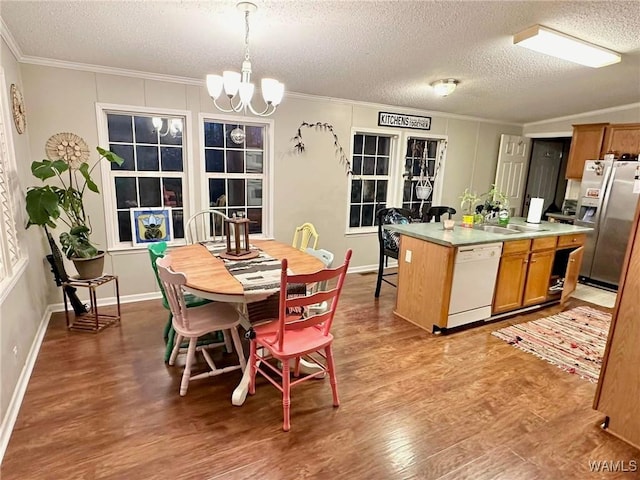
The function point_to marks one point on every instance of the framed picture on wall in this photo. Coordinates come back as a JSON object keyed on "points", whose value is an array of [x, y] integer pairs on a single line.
{"points": [[150, 225]]}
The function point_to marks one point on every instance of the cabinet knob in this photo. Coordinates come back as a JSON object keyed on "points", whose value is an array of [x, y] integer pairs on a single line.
{"points": [[574, 240], [572, 260], [525, 261], [533, 261]]}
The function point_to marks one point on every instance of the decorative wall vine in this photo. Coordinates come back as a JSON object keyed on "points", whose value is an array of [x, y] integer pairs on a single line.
{"points": [[298, 145]]}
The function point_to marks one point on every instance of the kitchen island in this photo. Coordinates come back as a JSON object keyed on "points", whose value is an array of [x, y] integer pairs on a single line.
{"points": [[450, 278]]}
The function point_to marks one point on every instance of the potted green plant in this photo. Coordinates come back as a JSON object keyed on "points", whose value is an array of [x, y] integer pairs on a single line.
{"points": [[468, 201], [68, 162], [495, 206]]}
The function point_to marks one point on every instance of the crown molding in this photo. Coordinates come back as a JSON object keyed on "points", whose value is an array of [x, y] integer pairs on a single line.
{"points": [[6, 34], [408, 110], [584, 114], [86, 67]]}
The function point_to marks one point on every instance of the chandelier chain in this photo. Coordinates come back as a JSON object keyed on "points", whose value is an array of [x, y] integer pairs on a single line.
{"points": [[246, 35]]}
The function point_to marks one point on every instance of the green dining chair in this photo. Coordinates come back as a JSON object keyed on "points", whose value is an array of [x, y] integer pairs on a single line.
{"points": [[158, 250]]}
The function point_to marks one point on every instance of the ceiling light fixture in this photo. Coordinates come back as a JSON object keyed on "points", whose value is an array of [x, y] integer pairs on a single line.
{"points": [[238, 87], [445, 87], [557, 44]]}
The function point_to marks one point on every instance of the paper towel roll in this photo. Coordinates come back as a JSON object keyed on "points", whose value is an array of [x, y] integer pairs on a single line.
{"points": [[535, 210]]}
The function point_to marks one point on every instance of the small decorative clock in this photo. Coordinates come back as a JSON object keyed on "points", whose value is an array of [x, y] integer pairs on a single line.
{"points": [[19, 115]]}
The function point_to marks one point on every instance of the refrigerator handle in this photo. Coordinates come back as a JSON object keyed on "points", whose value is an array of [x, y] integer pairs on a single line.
{"points": [[609, 179]]}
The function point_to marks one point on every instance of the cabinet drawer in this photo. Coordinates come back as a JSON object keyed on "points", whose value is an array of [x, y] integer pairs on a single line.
{"points": [[575, 240], [515, 246], [545, 243]]}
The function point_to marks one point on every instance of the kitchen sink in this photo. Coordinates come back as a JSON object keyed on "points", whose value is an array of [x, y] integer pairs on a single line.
{"points": [[526, 228], [496, 229]]}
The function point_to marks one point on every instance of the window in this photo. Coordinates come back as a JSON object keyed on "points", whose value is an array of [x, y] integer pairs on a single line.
{"points": [[12, 258], [370, 182], [421, 161], [153, 172], [235, 169]]}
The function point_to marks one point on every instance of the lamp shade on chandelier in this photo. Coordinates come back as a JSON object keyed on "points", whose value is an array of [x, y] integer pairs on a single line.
{"points": [[238, 87]]}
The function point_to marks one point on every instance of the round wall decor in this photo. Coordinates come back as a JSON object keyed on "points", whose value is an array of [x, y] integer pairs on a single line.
{"points": [[67, 147], [19, 115]]}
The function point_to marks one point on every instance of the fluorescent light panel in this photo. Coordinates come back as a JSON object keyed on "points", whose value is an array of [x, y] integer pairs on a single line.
{"points": [[544, 40]]}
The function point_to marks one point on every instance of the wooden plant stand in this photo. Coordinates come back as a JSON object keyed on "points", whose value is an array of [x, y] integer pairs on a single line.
{"points": [[92, 321]]}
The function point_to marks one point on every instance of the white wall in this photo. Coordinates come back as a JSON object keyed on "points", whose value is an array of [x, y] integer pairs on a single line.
{"points": [[22, 311], [309, 187]]}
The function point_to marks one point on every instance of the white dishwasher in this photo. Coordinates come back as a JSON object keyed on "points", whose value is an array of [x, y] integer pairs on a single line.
{"points": [[474, 279]]}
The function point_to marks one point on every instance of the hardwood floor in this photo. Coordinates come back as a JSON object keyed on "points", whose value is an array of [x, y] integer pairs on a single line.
{"points": [[413, 405]]}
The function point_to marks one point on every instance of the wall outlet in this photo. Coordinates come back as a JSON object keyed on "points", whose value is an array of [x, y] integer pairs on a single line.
{"points": [[407, 256], [15, 350]]}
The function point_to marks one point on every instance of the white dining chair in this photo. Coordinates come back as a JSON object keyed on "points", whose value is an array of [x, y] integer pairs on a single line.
{"points": [[205, 226]]}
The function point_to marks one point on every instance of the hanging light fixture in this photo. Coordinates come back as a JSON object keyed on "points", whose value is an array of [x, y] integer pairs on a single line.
{"points": [[238, 87], [174, 126]]}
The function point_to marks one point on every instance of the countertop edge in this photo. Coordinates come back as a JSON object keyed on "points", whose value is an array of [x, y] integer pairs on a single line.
{"points": [[461, 236]]}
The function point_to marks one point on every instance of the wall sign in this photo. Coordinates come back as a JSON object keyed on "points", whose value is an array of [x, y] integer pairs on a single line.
{"points": [[400, 120]]}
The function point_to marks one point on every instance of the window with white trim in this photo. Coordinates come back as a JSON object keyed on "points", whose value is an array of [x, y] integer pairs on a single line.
{"points": [[235, 164], [371, 180], [10, 252], [421, 168], [153, 172]]}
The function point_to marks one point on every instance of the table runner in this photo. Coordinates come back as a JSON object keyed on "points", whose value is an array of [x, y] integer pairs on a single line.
{"points": [[259, 276]]}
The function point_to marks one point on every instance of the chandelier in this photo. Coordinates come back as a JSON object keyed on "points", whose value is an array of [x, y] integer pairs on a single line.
{"points": [[238, 87]]}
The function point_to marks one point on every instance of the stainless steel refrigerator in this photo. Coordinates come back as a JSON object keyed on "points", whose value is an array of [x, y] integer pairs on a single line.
{"points": [[607, 204]]}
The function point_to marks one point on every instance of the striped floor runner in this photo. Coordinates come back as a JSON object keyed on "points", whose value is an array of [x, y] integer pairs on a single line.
{"points": [[573, 340]]}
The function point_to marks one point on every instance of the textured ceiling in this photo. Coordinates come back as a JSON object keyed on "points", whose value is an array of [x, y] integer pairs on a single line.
{"points": [[374, 51]]}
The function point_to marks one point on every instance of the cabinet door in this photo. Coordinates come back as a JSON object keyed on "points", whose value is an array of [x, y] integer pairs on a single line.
{"points": [[571, 274], [622, 138], [586, 144], [510, 282], [537, 285]]}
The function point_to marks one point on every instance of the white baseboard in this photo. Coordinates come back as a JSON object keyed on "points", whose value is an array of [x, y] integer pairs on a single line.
{"points": [[371, 268], [138, 297], [10, 417]]}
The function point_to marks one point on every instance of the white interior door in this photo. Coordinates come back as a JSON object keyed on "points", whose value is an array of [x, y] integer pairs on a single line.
{"points": [[511, 173]]}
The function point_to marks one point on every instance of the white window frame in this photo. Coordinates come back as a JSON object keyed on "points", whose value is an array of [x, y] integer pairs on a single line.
{"points": [[267, 165], [108, 185], [443, 141], [395, 154], [11, 269]]}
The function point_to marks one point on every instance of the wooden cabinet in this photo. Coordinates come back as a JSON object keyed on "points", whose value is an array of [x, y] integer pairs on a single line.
{"points": [[591, 141], [510, 283], [528, 268], [586, 144], [622, 138], [618, 392], [523, 276], [538, 275]]}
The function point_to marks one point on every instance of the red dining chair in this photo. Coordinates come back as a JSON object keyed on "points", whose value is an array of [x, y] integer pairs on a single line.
{"points": [[194, 322], [294, 335]]}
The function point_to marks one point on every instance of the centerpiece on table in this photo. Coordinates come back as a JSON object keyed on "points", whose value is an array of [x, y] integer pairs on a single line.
{"points": [[68, 161]]}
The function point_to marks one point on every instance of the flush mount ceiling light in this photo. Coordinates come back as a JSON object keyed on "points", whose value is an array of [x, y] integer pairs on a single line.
{"points": [[444, 87], [557, 44], [238, 87]]}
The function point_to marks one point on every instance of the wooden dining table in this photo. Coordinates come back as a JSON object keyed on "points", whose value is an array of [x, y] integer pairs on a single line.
{"points": [[208, 277]]}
